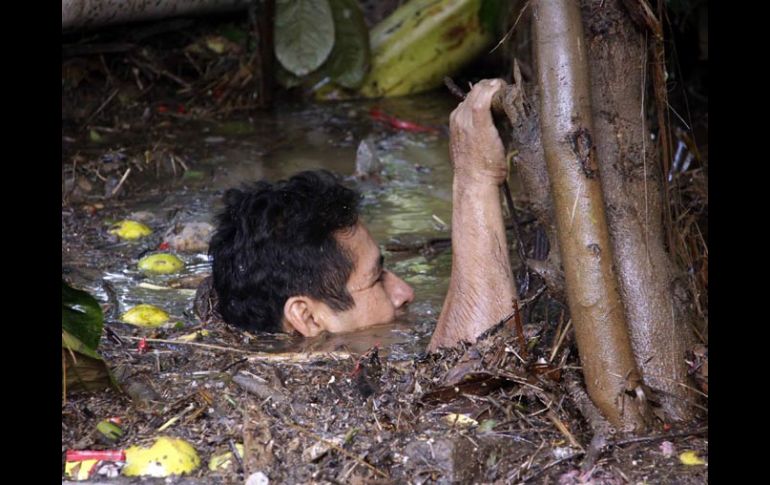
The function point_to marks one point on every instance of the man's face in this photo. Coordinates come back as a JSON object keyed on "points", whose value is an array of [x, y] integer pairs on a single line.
{"points": [[379, 295]]}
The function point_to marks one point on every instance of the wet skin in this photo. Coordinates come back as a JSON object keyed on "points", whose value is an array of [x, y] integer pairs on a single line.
{"points": [[481, 289]]}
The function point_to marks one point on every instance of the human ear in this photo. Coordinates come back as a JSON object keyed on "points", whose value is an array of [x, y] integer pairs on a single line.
{"points": [[298, 311]]}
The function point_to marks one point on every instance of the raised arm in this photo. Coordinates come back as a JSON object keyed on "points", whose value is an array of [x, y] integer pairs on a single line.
{"points": [[481, 289]]}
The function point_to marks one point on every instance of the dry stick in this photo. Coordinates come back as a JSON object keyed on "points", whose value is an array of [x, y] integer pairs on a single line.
{"points": [[237, 456], [561, 339], [341, 450], [453, 87], [520, 331], [162, 72], [680, 434], [691, 402], [685, 385], [517, 234], [286, 357], [599, 424], [515, 23], [120, 184], [101, 107], [551, 465], [563, 429], [528, 463], [557, 335]]}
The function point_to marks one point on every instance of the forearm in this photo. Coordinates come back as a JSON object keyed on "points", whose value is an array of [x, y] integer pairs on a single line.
{"points": [[481, 289]]}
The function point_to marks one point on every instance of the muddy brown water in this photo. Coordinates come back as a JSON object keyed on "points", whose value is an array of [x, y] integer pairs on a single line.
{"points": [[411, 203]]}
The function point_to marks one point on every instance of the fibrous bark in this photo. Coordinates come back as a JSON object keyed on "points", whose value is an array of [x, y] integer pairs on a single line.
{"points": [[609, 369], [96, 13], [632, 186]]}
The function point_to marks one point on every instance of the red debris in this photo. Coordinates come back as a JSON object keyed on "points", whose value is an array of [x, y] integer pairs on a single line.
{"points": [[106, 455], [142, 347], [162, 108], [399, 124], [163, 246]]}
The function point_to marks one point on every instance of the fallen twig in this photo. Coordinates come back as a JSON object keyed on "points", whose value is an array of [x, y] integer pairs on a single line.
{"points": [[345, 452], [120, 184], [599, 424], [549, 466], [286, 357], [101, 107], [563, 429], [642, 439]]}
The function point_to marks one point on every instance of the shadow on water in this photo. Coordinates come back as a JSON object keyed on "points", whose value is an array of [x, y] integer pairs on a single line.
{"points": [[413, 201]]}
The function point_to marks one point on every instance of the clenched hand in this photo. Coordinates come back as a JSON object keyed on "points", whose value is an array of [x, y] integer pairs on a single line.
{"points": [[475, 147]]}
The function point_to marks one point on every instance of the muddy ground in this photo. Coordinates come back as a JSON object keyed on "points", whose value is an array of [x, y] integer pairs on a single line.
{"points": [[387, 419], [332, 412]]}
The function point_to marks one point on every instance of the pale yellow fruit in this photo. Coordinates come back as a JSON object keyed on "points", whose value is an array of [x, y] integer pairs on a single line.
{"points": [[145, 315], [130, 230], [460, 420], [691, 458], [161, 263], [167, 456]]}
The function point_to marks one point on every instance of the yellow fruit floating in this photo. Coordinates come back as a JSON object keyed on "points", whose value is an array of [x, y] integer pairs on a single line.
{"points": [[130, 230], [691, 458], [161, 263], [145, 315], [167, 456]]}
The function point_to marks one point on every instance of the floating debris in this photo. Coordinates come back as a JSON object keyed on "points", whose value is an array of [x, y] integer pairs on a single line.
{"points": [[161, 263], [130, 230], [145, 315]]}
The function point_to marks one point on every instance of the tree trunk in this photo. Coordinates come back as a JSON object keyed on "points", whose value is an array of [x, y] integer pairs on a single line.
{"points": [[78, 14], [632, 186], [609, 369], [530, 165]]}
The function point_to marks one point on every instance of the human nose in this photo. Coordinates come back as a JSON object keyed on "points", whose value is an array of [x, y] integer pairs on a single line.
{"points": [[398, 290]]}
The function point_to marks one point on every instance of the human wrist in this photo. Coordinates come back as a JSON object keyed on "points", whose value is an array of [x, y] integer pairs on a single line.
{"points": [[476, 180]]}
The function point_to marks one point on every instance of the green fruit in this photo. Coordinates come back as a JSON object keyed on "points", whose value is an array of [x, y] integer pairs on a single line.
{"points": [[130, 230], [161, 263], [111, 431]]}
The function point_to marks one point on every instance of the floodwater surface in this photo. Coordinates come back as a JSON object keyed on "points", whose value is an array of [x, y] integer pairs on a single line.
{"points": [[411, 203]]}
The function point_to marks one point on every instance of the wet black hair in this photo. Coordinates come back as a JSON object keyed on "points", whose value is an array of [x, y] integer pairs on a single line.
{"points": [[276, 240]]}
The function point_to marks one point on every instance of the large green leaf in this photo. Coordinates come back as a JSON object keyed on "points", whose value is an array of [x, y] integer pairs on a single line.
{"points": [[81, 315], [304, 34], [349, 60]]}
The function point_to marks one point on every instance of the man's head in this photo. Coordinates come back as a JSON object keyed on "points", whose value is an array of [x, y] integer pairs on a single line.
{"points": [[293, 256]]}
